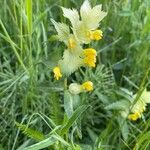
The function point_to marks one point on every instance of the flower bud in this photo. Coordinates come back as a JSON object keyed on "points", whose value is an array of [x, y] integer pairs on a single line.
{"points": [[75, 88]]}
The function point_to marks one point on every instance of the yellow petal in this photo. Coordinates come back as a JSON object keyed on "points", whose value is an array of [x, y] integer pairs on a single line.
{"points": [[134, 116], [89, 62], [90, 57], [87, 86], [57, 73], [90, 51], [95, 35]]}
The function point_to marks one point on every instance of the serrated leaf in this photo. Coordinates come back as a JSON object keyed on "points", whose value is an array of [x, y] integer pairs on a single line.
{"points": [[120, 105], [56, 110], [125, 130], [30, 132], [43, 144], [77, 113], [68, 104], [47, 142]]}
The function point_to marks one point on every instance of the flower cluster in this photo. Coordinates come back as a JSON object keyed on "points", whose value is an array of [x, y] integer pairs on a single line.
{"points": [[83, 30], [75, 88], [140, 106]]}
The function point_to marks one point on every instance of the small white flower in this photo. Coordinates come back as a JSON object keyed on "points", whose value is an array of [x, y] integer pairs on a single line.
{"points": [[75, 88]]}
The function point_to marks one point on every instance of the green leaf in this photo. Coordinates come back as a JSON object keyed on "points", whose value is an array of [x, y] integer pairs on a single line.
{"points": [[55, 108], [92, 134], [43, 144], [68, 104], [125, 13], [77, 113], [30, 132], [141, 140], [120, 105], [13, 45], [47, 142], [29, 15], [125, 130]]}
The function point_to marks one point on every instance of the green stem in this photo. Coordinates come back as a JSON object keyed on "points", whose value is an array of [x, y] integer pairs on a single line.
{"points": [[13, 47], [65, 84], [142, 86], [21, 31]]}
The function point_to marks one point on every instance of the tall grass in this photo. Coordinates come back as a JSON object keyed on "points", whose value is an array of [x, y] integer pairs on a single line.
{"points": [[33, 103]]}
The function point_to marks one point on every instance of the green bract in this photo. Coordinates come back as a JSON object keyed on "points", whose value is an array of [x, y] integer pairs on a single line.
{"points": [[70, 62], [62, 30], [90, 19]]}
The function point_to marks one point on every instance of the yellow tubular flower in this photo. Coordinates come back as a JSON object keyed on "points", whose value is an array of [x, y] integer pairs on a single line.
{"points": [[87, 86], [134, 116], [90, 57], [71, 43], [57, 73], [95, 35]]}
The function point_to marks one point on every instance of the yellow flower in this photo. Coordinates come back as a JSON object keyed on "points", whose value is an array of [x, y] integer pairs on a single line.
{"points": [[95, 35], [87, 86], [90, 57], [71, 43], [134, 116], [83, 29], [57, 73], [76, 88]]}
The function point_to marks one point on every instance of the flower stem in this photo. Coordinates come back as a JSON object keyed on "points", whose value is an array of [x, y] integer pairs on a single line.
{"points": [[65, 84]]}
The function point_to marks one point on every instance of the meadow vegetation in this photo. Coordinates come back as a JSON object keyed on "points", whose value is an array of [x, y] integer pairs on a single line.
{"points": [[39, 112]]}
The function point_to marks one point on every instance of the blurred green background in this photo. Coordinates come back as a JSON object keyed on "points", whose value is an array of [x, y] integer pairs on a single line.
{"points": [[29, 51]]}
